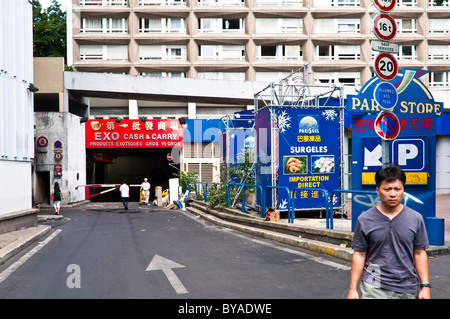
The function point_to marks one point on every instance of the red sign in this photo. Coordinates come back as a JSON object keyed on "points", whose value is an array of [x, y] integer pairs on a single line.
{"points": [[169, 156], [163, 133], [385, 66], [387, 125], [384, 27], [385, 5]]}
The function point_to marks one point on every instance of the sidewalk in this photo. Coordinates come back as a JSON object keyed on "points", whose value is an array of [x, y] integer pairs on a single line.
{"points": [[309, 233]]}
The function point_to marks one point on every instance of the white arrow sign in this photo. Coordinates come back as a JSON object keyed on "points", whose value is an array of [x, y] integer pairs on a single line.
{"points": [[166, 265], [372, 158]]}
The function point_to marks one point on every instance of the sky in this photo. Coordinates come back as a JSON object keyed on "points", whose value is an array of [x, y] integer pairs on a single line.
{"points": [[46, 3]]}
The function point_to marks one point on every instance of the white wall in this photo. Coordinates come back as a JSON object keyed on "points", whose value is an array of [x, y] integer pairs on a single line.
{"points": [[16, 105]]}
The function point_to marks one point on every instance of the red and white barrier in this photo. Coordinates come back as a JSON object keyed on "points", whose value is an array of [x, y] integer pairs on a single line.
{"points": [[112, 187]]}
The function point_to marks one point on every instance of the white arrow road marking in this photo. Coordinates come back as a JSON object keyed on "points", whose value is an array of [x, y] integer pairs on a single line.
{"points": [[166, 265]]}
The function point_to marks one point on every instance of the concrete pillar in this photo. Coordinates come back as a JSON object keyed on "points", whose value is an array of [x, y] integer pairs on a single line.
{"points": [[192, 110], [133, 111]]}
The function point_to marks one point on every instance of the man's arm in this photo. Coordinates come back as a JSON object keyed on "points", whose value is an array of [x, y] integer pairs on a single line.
{"points": [[421, 262], [358, 260]]}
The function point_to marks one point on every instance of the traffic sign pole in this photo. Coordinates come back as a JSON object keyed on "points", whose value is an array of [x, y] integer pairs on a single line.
{"points": [[386, 68]]}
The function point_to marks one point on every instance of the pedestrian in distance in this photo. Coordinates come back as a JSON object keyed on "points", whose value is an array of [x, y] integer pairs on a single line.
{"points": [[57, 196], [144, 192], [125, 193], [389, 245]]}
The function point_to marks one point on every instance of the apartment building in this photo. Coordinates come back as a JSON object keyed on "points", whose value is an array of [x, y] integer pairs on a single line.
{"points": [[252, 39]]}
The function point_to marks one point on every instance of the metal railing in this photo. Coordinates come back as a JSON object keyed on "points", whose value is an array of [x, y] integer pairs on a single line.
{"points": [[330, 214]]}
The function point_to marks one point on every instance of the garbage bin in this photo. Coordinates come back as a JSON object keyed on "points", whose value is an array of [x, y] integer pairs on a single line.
{"points": [[435, 230]]}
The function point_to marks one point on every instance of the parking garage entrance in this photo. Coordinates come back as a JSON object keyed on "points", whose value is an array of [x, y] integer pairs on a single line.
{"points": [[131, 150]]}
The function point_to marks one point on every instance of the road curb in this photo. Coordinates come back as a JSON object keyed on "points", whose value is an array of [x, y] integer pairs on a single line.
{"points": [[309, 244], [15, 241]]}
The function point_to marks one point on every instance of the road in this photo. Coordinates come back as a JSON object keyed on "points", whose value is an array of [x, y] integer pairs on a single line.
{"points": [[103, 252]]}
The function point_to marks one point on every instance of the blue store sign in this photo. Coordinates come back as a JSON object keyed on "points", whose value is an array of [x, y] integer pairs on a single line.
{"points": [[414, 150]]}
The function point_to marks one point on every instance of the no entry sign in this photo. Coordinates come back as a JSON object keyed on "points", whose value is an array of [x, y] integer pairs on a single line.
{"points": [[385, 66], [384, 27], [387, 125], [385, 5]]}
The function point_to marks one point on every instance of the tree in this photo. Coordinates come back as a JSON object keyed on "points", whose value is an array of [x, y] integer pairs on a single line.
{"points": [[49, 30], [439, 2]]}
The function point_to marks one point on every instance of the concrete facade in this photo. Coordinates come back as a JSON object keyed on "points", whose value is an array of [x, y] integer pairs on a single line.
{"points": [[65, 128]]}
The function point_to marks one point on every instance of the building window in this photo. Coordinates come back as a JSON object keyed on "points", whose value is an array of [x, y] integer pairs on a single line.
{"points": [[221, 3], [274, 25], [407, 3], [221, 52], [406, 25], [103, 52], [162, 52], [279, 3], [438, 52], [407, 52], [279, 52], [104, 25], [336, 3], [337, 26], [439, 25], [437, 79], [103, 2], [162, 2], [163, 25], [219, 25], [239, 76], [350, 78], [337, 52], [165, 74]]}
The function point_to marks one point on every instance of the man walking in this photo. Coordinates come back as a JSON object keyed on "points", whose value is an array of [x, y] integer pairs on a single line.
{"points": [[145, 191], [124, 193], [389, 245]]}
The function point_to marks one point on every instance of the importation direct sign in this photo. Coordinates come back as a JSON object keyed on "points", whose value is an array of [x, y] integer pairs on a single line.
{"points": [[111, 133]]}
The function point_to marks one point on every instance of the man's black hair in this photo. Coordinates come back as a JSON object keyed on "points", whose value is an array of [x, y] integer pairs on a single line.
{"points": [[389, 174]]}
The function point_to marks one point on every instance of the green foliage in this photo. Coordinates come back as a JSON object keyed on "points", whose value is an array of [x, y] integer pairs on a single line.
{"points": [[241, 172], [184, 178], [49, 30]]}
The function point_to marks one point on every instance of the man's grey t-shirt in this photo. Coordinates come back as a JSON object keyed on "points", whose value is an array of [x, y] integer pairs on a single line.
{"points": [[389, 246]]}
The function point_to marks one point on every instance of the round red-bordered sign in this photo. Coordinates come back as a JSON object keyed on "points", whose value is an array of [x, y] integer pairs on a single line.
{"points": [[58, 156], [387, 125], [385, 66], [42, 141], [384, 27], [385, 5]]}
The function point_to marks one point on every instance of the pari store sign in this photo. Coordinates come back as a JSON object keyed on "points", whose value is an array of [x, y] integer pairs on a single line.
{"points": [[309, 154], [413, 148], [161, 133]]}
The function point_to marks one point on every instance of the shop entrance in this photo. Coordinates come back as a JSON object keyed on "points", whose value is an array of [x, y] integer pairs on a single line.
{"points": [[113, 166]]}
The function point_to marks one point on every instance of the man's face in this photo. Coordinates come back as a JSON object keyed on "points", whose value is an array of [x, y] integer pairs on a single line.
{"points": [[391, 193]]}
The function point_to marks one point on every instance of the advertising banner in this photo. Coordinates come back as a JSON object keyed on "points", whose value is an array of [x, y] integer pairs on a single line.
{"points": [[309, 154], [154, 133]]}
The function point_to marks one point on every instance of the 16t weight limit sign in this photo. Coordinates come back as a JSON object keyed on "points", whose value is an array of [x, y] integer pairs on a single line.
{"points": [[385, 66]]}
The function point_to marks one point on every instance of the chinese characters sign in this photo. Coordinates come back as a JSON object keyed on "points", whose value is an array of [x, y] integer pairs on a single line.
{"points": [[161, 133]]}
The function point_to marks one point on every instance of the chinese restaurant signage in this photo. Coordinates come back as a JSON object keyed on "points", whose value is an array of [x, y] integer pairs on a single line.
{"points": [[153, 133]]}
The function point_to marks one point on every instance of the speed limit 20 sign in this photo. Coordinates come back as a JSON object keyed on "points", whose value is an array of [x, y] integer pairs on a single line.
{"points": [[384, 27], [385, 66]]}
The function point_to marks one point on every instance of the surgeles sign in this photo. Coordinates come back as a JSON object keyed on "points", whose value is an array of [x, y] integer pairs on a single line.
{"points": [[161, 133]]}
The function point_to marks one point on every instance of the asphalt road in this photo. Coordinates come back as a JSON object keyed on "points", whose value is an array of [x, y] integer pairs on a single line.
{"points": [[103, 252]]}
